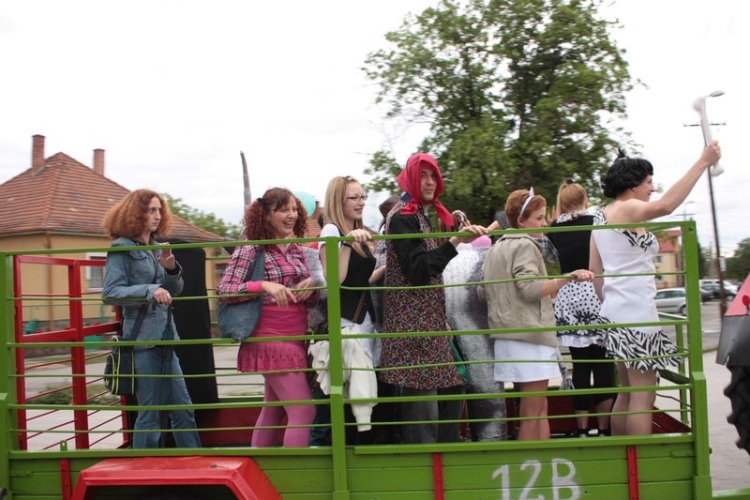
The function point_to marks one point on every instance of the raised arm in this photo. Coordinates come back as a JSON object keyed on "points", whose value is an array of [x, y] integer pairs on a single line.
{"points": [[639, 211]]}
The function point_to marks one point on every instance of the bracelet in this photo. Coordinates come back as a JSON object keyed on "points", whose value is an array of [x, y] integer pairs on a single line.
{"points": [[344, 243]]}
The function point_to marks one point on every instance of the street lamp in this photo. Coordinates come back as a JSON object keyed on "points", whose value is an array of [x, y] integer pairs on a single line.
{"points": [[700, 106]]}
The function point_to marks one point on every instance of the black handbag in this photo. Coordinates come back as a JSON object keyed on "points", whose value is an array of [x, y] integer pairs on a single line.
{"points": [[237, 320], [119, 368]]}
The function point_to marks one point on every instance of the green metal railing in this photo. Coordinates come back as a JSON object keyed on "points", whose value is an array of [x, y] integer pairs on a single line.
{"points": [[689, 379]]}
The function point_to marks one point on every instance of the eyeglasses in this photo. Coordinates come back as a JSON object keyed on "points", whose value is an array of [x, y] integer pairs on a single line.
{"points": [[153, 210], [356, 198]]}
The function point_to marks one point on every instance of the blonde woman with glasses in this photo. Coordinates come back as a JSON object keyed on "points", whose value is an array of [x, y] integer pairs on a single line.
{"points": [[344, 207]]}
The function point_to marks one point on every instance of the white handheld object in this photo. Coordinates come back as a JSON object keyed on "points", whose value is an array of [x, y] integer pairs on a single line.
{"points": [[700, 106]]}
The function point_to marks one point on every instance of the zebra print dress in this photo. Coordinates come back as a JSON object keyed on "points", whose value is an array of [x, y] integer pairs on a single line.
{"points": [[630, 299]]}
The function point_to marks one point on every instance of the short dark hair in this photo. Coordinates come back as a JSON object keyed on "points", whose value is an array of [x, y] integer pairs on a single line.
{"points": [[625, 173], [388, 204]]}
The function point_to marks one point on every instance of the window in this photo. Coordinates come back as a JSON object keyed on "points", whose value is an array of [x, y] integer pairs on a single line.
{"points": [[95, 274]]}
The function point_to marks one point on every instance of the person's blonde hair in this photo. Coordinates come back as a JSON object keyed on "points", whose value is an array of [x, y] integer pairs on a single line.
{"points": [[334, 207], [570, 196]]}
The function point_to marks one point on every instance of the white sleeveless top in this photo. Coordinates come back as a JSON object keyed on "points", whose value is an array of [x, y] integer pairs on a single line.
{"points": [[628, 299]]}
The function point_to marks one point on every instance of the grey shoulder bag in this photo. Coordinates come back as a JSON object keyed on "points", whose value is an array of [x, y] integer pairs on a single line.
{"points": [[237, 320]]}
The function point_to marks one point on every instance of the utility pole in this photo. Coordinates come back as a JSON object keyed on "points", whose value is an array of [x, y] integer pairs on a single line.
{"points": [[719, 271], [245, 180], [685, 214]]}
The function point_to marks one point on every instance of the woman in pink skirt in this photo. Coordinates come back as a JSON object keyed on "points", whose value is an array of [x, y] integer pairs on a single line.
{"points": [[277, 215]]}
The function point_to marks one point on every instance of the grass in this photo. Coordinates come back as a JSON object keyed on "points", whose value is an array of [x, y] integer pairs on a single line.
{"points": [[59, 396]]}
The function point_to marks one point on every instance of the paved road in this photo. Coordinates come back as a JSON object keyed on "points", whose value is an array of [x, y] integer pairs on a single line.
{"points": [[730, 466]]}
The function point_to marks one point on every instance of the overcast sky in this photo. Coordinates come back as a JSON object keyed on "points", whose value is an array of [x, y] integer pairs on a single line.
{"points": [[174, 90]]}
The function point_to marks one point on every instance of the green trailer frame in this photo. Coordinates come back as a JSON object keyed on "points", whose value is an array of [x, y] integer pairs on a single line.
{"points": [[671, 464]]}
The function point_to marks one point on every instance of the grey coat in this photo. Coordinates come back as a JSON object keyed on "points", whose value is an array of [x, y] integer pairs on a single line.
{"points": [[517, 304], [130, 280]]}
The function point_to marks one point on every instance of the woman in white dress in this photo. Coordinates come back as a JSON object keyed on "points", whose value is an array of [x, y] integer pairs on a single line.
{"points": [[630, 299], [524, 304]]}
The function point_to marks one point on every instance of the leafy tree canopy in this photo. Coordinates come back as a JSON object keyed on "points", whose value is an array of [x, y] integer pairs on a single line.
{"points": [[207, 221], [738, 266], [516, 93]]}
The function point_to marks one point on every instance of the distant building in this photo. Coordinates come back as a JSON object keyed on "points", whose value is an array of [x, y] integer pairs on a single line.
{"points": [[669, 259], [58, 203]]}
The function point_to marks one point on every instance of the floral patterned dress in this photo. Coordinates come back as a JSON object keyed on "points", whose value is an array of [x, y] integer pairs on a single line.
{"points": [[416, 310]]}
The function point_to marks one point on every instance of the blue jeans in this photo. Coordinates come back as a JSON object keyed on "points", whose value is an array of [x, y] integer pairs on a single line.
{"points": [[162, 391]]}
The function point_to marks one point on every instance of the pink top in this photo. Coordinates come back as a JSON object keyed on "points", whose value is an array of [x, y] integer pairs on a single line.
{"points": [[281, 321]]}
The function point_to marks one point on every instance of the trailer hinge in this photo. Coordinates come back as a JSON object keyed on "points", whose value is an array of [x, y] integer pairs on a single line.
{"points": [[682, 454], [22, 473]]}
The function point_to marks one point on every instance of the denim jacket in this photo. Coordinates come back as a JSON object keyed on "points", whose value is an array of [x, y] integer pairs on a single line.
{"points": [[130, 280]]}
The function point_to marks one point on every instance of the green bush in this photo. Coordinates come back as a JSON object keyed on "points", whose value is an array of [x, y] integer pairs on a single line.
{"points": [[65, 396]]}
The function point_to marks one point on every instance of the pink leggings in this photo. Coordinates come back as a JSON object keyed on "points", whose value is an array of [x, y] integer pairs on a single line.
{"points": [[285, 387]]}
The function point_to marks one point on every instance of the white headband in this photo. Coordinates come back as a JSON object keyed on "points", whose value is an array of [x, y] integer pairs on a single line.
{"points": [[526, 203]]}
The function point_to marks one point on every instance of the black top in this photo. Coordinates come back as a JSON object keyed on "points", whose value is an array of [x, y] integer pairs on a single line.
{"points": [[418, 263], [572, 247], [356, 303]]}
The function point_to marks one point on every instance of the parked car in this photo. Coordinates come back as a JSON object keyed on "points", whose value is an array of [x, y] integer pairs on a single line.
{"points": [[729, 287], [706, 295], [671, 300], [713, 288]]}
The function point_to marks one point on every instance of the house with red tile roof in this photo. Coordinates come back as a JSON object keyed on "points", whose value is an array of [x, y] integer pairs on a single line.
{"points": [[59, 203]]}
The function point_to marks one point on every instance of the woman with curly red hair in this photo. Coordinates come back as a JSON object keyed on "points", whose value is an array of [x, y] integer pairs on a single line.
{"points": [[143, 282], [277, 215]]}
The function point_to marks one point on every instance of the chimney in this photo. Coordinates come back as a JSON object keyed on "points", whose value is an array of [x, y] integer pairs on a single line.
{"points": [[37, 153], [99, 161]]}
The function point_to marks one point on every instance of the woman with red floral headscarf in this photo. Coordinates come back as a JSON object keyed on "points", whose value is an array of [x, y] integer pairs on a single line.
{"points": [[419, 262]]}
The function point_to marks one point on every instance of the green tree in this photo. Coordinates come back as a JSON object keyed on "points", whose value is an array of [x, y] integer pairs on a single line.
{"points": [[738, 265], [702, 262], [207, 221], [517, 93]]}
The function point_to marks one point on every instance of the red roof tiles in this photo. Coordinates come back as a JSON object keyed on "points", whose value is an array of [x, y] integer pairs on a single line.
{"points": [[67, 197]]}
